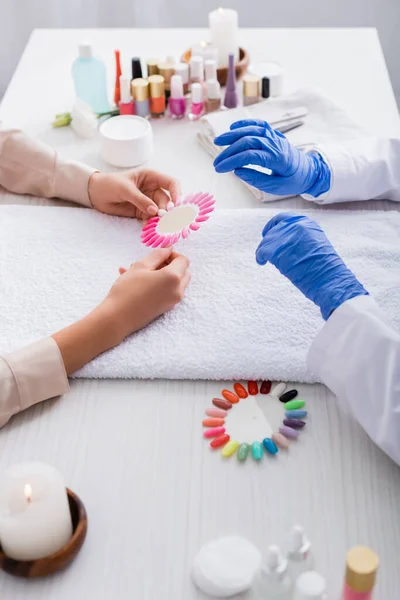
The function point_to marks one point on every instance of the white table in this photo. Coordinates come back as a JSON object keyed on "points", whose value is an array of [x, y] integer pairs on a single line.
{"points": [[133, 449]]}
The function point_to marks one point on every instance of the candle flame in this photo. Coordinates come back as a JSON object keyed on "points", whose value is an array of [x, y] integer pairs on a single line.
{"points": [[28, 492], [203, 43], [220, 10]]}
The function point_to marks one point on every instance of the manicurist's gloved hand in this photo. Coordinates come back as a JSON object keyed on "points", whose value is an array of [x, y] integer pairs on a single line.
{"points": [[254, 142], [299, 249]]}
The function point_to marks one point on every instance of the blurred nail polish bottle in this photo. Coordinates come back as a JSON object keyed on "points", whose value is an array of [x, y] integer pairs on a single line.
{"points": [[196, 69], [251, 89], [182, 69], [126, 106], [140, 93], [231, 96], [197, 106], [136, 68], [167, 70], [177, 101], [361, 567], [210, 67], [157, 95], [118, 73], [152, 66], [265, 88], [213, 100]]}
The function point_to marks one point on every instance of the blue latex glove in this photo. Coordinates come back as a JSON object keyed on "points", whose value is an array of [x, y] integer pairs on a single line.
{"points": [[254, 142], [299, 249]]}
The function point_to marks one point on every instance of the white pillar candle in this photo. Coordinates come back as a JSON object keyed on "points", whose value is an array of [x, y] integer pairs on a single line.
{"points": [[224, 34], [35, 519]]}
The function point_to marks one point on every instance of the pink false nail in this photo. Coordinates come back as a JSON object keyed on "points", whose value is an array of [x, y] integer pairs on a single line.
{"points": [[157, 242], [148, 234], [202, 218], [213, 432], [166, 242], [194, 226], [185, 233], [216, 412], [170, 205], [175, 238], [153, 220]]}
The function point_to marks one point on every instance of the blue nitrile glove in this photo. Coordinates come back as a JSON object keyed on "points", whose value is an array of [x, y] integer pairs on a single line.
{"points": [[254, 142], [299, 249]]}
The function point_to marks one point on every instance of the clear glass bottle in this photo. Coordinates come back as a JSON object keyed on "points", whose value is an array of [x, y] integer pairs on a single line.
{"points": [[89, 74], [300, 557], [272, 581]]}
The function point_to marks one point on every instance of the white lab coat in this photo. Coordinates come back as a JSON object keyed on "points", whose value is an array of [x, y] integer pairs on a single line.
{"points": [[357, 353]]}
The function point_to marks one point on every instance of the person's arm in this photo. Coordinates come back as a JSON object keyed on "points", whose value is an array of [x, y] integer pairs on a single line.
{"points": [[143, 292], [357, 355], [363, 169], [30, 167]]}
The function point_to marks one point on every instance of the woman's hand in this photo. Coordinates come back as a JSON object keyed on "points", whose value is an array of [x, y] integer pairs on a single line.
{"points": [[149, 288], [133, 193]]}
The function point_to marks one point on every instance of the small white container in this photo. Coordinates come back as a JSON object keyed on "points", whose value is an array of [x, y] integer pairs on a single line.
{"points": [[126, 140]]}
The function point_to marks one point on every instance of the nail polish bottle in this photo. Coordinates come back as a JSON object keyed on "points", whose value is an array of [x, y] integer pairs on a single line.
{"points": [[177, 101], [118, 73], [152, 66], [213, 100], [272, 580], [251, 89], [361, 567], [299, 556], [182, 69], [197, 106], [171, 60], [136, 68], [196, 69], [140, 93], [167, 70], [210, 67], [310, 586], [231, 96], [157, 96], [126, 106], [265, 87]]}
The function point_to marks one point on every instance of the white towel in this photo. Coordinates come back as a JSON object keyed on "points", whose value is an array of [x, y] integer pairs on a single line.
{"points": [[238, 320], [324, 122]]}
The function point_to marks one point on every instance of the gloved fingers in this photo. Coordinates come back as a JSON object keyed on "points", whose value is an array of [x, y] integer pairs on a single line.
{"points": [[247, 122], [276, 220], [266, 156], [271, 184], [265, 250], [247, 157], [229, 137]]}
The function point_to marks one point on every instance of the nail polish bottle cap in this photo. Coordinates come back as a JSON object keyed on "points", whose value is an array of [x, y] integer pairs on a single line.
{"points": [[299, 544], [361, 567], [125, 87], [85, 50], [211, 69], [213, 89], [275, 563], [182, 69], [157, 86], [197, 67], [167, 70], [152, 66], [310, 586], [265, 87], [176, 86], [251, 85], [197, 93], [136, 68], [140, 89]]}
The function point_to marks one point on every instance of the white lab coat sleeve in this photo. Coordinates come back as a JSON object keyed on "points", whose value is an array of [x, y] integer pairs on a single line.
{"points": [[362, 169], [357, 356]]}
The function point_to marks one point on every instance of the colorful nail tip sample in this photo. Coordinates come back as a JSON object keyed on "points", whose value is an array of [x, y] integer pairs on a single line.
{"points": [[252, 386], [222, 404], [288, 395], [294, 404], [213, 432], [288, 432], [151, 234], [216, 412], [230, 448], [243, 451], [257, 450], [296, 414], [213, 422], [230, 396], [265, 387], [279, 389], [219, 441], [295, 423], [270, 446], [280, 440], [240, 390]]}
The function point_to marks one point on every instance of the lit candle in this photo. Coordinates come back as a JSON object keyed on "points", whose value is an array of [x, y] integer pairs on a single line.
{"points": [[224, 34], [35, 519], [206, 50]]}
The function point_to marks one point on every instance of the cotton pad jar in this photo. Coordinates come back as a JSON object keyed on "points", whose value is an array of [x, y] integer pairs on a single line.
{"points": [[126, 141]]}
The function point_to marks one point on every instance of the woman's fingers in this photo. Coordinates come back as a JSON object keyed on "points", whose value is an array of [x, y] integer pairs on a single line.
{"points": [[156, 258], [178, 266], [130, 193]]}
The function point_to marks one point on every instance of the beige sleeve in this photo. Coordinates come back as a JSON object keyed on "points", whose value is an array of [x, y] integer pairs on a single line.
{"points": [[30, 375], [30, 167]]}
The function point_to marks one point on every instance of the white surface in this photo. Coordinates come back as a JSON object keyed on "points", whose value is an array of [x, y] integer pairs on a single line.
{"points": [[237, 320], [133, 450]]}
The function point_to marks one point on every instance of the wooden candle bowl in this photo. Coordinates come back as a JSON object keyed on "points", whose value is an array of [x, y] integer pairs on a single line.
{"points": [[222, 72], [59, 560]]}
